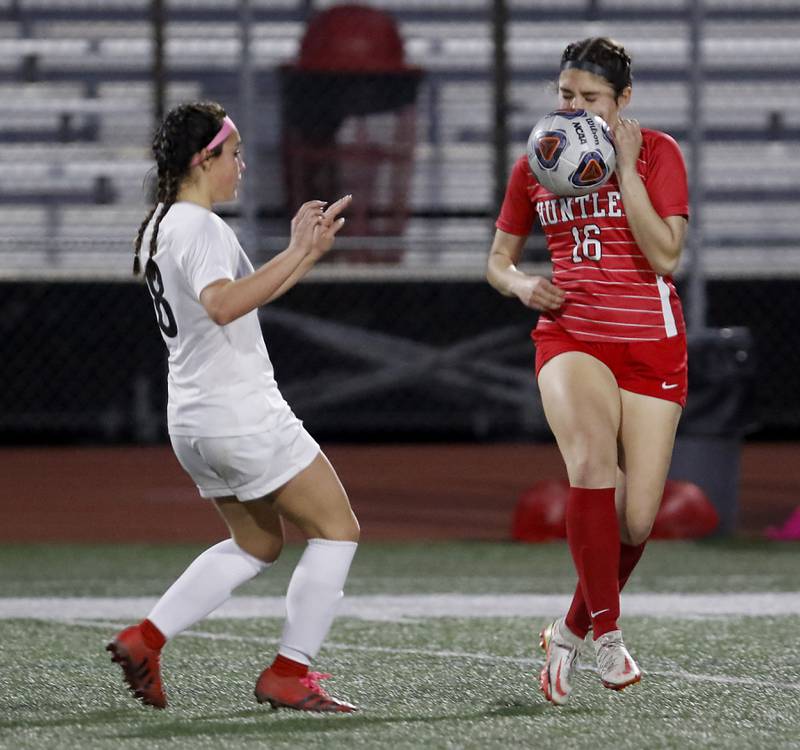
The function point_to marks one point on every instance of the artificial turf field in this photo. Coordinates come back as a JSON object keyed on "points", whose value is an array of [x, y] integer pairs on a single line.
{"points": [[436, 644]]}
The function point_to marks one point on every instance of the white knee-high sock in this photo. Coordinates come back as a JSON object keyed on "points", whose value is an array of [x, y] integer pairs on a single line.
{"points": [[313, 597], [205, 585]]}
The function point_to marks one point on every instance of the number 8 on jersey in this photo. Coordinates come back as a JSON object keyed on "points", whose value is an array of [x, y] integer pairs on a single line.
{"points": [[155, 284]]}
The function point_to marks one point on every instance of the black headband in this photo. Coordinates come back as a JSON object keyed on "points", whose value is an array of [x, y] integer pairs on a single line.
{"points": [[589, 67]]}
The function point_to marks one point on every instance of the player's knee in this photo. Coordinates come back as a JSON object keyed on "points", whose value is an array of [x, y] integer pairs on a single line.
{"points": [[592, 470], [638, 531], [624, 534], [345, 530], [264, 547]]}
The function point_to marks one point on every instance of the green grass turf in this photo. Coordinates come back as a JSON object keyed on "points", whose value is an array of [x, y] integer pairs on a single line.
{"points": [[729, 682], [405, 568]]}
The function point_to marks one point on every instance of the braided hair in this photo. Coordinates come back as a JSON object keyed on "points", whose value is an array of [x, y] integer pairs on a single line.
{"points": [[187, 129], [602, 56]]}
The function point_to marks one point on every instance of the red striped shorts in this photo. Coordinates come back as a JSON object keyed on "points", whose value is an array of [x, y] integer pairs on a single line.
{"points": [[651, 368]]}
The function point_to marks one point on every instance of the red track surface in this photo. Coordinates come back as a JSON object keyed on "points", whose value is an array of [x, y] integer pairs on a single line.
{"points": [[398, 491]]}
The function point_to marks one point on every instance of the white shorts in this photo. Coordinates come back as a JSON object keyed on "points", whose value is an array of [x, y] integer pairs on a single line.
{"points": [[247, 466]]}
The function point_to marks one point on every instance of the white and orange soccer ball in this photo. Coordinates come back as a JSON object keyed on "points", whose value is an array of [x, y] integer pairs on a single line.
{"points": [[571, 152]]}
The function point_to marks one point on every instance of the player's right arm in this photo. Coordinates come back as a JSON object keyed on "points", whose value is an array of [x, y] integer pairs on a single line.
{"points": [[502, 273], [322, 239], [226, 300]]}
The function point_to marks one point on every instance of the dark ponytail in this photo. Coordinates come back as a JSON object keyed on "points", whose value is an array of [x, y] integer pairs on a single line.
{"points": [[187, 129]]}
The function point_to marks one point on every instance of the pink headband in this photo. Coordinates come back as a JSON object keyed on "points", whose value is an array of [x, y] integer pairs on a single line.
{"points": [[227, 128]]}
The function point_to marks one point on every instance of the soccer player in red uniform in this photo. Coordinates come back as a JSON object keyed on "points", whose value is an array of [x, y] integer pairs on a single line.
{"points": [[610, 349]]}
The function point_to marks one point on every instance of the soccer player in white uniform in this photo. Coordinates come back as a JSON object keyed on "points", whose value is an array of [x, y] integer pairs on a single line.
{"points": [[230, 427]]}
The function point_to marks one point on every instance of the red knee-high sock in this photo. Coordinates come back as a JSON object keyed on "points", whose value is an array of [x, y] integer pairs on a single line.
{"points": [[578, 619], [593, 537], [629, 556]]}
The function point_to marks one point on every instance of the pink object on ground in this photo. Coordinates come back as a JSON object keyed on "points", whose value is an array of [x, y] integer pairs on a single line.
{"points": [[789, 532]]}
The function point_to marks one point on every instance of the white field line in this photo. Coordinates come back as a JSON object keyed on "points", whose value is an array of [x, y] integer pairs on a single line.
{"points": [[401, 607], [533, 664]]}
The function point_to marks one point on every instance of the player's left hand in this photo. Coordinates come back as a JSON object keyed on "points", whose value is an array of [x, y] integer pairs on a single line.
{"points": [[628, 143], [325, 232]]}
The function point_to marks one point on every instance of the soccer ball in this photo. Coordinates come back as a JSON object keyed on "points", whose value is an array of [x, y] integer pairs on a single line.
{"points": [[571, 152]]}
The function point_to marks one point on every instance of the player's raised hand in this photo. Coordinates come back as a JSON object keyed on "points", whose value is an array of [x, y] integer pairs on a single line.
{"points": [[538, 293], [325, 232], [308, 217], [627, 143]]}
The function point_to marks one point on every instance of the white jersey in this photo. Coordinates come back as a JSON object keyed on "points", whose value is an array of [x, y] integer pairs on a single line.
{"points": [[221, 381]]}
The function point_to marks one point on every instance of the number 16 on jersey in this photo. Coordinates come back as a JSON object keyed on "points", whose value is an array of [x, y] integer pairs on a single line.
{"points": [[587, 246]]}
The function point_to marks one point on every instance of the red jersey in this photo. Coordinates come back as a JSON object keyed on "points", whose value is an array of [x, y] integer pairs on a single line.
{"points": [[612, 293]]}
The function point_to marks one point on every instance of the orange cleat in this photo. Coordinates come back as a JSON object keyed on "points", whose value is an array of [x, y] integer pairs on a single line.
{"points": [[141, 666], [299, 693]]}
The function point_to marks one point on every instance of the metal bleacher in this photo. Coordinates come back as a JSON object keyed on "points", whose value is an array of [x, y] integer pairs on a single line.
{"points": [[77, 115]]}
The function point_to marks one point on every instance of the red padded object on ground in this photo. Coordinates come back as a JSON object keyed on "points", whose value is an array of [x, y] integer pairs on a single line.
{"points": [[353, 38], [541, 512], [685, 513]]}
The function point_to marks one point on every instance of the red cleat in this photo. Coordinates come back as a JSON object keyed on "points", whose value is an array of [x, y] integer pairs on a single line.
{"points": [[140, 664], [299, 693]]}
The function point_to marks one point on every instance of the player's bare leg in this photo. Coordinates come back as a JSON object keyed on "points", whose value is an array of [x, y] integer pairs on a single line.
{"points": [[317, 504], [647, 437], [650, 452], [582, 404]]}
